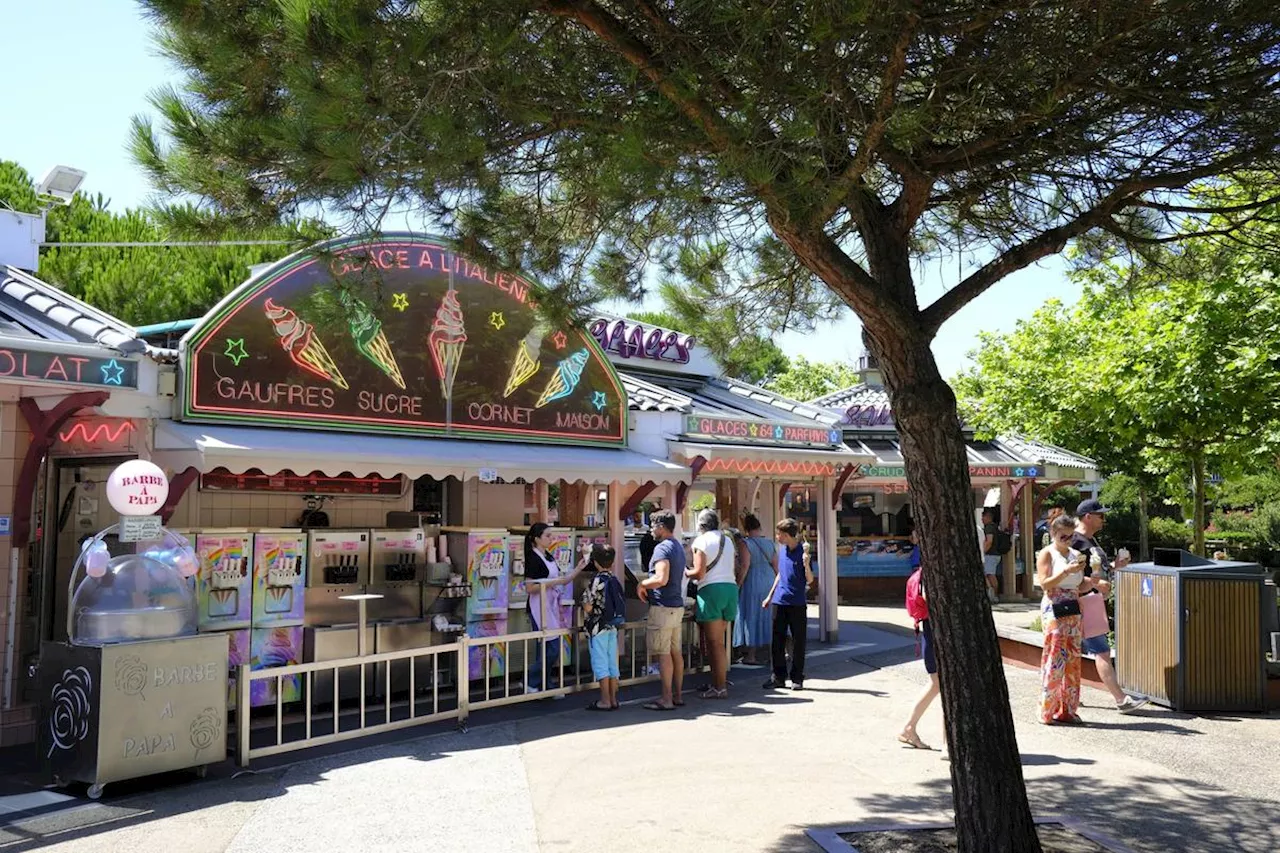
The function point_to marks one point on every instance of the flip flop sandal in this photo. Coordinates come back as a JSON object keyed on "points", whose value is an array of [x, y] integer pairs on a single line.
{"points": [[596, 706], [914, 742], [657, 706], [678, 704], [712, 693]]}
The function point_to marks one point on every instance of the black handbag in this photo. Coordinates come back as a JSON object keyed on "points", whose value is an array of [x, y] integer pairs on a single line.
{"points": [[1066, 608]]}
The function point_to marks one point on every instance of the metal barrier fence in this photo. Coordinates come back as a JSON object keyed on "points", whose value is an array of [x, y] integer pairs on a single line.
{"points": [[402, 689]]}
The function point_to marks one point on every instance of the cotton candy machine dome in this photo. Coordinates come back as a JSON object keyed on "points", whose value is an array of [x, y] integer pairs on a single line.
{"points": [[140, 596]]}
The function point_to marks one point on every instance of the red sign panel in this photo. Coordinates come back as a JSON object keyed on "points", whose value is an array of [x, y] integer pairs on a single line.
{"points": [[402, 335]]}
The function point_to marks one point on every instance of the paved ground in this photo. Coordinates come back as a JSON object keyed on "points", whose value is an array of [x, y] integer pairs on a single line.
{"points": [[745, 775]]}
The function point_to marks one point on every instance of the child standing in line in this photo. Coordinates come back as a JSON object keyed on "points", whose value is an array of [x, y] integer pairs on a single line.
{"points": [[600, 607]]}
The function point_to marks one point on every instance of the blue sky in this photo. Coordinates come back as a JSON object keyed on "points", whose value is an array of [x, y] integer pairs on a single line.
{"points": [[80, 69]]}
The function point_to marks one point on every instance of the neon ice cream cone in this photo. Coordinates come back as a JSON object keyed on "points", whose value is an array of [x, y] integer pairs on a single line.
{"points": [[298, 338], [370, 340], [526, 363], [567, 376], [448, 337]]}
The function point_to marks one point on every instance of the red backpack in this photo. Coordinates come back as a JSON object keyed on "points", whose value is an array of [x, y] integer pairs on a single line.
{"points": [[917, 607]]}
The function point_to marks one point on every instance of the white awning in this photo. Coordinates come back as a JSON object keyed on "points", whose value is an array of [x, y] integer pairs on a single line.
{"points": [[238, 449], [768, 461]]}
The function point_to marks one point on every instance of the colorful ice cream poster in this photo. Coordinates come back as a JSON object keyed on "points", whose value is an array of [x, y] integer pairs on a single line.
{"points": [[224, 583], [497, 652], [487, 572], [401, 334], [239, 653], [272, 647], [279, 578]]}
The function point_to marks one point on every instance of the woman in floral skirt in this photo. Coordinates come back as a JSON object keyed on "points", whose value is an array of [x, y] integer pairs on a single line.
{"points": [[1060, 570]]}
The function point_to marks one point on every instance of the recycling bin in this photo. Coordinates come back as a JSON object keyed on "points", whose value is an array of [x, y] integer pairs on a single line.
{"points": [[1190, 632]]}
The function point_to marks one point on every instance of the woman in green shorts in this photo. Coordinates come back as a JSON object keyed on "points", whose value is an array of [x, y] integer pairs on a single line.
{"points": [[714, 570]]}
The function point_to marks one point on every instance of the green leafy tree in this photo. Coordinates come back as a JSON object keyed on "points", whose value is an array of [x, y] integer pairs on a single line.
{"points": [[808, 380], [1166, 367], [829, 146], [143, 284]]}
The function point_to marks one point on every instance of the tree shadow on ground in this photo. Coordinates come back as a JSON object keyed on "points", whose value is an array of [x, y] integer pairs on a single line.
{"points": [[140, 801], [1144, 815]]}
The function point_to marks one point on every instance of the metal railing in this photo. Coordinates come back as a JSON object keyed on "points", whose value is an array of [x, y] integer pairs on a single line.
{"points": [[401, 689]]}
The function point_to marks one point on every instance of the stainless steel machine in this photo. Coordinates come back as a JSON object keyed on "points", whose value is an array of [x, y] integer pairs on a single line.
{"points": [[397, 568], [337, 565]]}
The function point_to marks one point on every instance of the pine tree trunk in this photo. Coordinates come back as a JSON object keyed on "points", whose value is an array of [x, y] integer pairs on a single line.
{"points": [[1144, 524], [1197, 497], [990, 797]]}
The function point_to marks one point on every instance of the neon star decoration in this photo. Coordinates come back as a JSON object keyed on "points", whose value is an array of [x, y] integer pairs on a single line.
{"points": [[112, 373], [400, 301], [497, 320], [560, 340], [235, 351], [599, 400]]}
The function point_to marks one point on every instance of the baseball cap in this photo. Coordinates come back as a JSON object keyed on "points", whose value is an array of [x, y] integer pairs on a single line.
{"points": [[1089, 506]]}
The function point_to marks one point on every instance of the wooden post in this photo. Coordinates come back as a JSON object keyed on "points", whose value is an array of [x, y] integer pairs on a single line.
{"points": [[1029, 543], [828, 582]]}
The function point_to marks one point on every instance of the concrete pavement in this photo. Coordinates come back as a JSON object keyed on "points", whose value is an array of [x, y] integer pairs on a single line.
{"points": [[751, 773]]}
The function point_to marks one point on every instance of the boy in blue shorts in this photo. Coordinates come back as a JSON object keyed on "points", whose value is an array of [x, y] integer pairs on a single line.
{"points": [[603, 637]]}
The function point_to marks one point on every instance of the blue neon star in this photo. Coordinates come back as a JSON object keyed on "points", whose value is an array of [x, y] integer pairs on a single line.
{"points": [[599, 400], [112, 373]]}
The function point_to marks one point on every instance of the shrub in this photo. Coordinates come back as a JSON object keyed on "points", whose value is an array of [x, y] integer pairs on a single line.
{"points": [[1168, 533]]}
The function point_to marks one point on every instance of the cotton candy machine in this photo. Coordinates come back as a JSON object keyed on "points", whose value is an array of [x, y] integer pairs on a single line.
{"points": [[139, 596], [135, 691]]}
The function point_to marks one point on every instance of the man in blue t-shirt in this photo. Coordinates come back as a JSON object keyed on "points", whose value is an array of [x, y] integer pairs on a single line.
{"points": [[790, 612], [664, 590]]}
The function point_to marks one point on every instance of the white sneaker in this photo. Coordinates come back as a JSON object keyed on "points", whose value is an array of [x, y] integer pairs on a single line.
{"points": [[1129, 705], [529, 688]]}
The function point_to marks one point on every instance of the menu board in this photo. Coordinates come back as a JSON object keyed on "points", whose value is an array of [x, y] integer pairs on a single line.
{"points": [[399, 335]]}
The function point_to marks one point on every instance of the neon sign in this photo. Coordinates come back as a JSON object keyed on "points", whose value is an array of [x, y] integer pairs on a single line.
{"points": [[630, 339], [60, 368], [771, 466], [865, 416], [96, 435], [705, 427], [399, 335], [899, 472], [102, 431]]}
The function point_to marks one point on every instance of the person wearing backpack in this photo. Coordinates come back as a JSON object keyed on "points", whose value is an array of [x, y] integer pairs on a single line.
{"points": [[918, 609], [604, 610], [714, 568]]}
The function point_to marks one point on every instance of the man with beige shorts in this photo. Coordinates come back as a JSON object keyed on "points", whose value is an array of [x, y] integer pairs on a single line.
{"points": [[664, 591]]}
